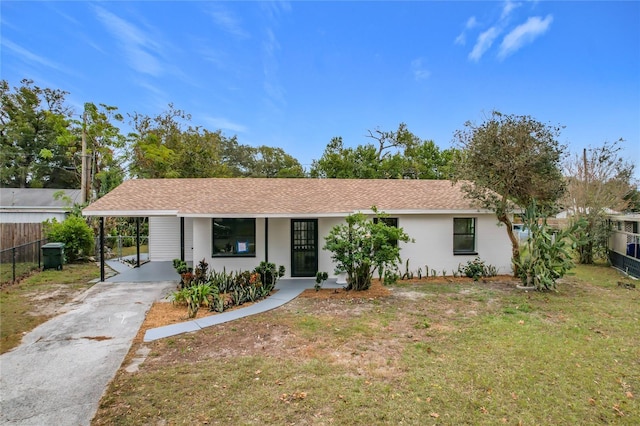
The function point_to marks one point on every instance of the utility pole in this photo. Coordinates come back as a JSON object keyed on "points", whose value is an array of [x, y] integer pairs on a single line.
{"points": [[83, 182]]}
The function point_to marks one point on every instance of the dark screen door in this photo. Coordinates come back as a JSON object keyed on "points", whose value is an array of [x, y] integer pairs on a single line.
{"points": [[304, 247]]}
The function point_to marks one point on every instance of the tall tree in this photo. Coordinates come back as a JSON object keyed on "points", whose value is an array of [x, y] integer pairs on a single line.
{"points": [[599, 181], [165, 146], [34, 136], [394, 155], [510, 161], [274, 162], [199, 156], [105, 148], [156, 142]]}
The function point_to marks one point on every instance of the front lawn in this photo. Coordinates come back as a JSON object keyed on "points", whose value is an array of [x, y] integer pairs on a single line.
{"points": [[436, 353]]}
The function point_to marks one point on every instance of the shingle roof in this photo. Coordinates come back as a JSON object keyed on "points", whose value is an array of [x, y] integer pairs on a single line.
{"points": [[36, 197], [257, 196]]}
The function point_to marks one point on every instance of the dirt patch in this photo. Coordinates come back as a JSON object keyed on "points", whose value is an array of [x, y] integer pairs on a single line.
{"points": [[165, 313], [328, 314], [58, 299], [376, 290]]}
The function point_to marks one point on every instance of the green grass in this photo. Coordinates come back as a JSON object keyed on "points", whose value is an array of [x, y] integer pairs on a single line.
{"points": [[22, 269], [131, 251], [21, 302], [482, 355]]}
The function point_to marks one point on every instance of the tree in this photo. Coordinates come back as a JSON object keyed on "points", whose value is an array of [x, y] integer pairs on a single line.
{"points": [[34, 138], [507, 162], [274, 162], [599, 181], [362, 246], [155, 143], [166, 147], [105, 148], [394, 155], [198, 155]]}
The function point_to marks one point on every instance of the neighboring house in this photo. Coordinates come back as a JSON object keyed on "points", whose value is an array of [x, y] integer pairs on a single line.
{"points": [[22, 211], [34, 205], [624, 243], [237, 222]]}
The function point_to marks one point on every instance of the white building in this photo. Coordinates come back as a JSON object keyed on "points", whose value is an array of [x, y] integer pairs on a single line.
{"points": [[236, 223]]}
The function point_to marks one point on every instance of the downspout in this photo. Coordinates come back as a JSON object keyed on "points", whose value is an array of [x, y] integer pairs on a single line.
{"points": [[101, 248], [266, 239], [182, 239]]}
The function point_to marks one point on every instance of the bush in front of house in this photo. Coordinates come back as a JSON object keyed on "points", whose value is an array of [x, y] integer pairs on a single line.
{"points": [[222, 290], [361, 246], [477, 269], [75, 233]]}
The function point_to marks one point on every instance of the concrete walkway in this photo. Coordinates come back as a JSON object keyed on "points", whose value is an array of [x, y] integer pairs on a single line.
{"points": [[60, 371]]}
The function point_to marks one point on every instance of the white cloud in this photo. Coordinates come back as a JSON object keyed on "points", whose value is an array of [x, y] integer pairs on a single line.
{"points": [[508, 7], [29, 56], [472, 22], [483, 43], [271, 84], [524, 34], [138, 46], [225, 124], [420, 71], [274, 9], [227, 21]]}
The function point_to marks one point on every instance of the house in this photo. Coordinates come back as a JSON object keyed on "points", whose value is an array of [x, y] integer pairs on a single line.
{"points": [[22, 211], [35, 205], [236, 223], [624, 243]]}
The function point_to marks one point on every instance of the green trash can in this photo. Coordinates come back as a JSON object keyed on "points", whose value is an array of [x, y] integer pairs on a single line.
{"points": [[53, 256]]}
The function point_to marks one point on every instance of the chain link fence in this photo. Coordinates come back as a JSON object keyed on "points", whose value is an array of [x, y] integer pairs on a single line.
{"points": [[18, 261], [121, 246]]}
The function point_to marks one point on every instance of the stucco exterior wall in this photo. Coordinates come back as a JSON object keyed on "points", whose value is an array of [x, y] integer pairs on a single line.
{"points": [[433, 246], [188, 239]]}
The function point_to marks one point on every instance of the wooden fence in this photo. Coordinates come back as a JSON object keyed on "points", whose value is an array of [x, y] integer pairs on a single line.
{"points": [[15, 234]]}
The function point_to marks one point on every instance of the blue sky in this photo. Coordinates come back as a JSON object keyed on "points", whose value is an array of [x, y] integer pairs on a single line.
{"points": [[295, 74]]}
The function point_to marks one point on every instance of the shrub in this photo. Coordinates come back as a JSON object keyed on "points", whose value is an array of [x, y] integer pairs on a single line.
{"points": [[194, 296], [476, 269], [362, 246], [269, 274], [321, 277], [76, 235], [200, 274]]}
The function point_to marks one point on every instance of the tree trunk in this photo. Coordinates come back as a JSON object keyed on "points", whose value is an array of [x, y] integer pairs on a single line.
{"points": [[515, 243]]}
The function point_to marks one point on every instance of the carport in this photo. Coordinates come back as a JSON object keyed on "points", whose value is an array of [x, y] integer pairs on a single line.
{"points": [[158, 271]]}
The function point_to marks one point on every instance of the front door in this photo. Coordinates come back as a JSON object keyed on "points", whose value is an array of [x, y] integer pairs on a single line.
{"points": [[304, 247]]}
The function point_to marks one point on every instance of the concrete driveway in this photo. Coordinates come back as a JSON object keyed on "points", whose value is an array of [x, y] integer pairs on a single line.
{"points": [[60, 371]]}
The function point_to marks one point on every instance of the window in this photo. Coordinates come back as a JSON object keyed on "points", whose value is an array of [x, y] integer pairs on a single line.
{"points": [[464, 235], [234, 237], [389, 221]]}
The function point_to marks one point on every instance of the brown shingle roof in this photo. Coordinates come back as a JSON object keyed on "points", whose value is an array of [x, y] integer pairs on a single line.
{"points": [[250, 196]]}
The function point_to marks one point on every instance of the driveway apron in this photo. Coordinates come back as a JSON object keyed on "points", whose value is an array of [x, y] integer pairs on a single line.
{"points": [[62, 368]]}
